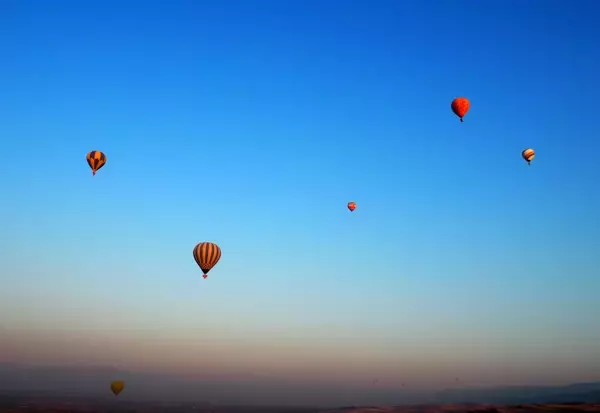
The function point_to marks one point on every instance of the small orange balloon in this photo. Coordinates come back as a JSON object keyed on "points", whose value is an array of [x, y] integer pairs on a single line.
{"points": [[460, 106], [351, 206], [117, 387], [528, 155], [95, 160]]}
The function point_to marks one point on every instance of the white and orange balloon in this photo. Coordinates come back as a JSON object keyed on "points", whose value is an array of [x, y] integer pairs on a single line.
{"points": [[528, 155]]}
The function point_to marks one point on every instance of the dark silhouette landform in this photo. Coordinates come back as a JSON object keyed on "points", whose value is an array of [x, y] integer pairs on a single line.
{"points": [[34, 404]]}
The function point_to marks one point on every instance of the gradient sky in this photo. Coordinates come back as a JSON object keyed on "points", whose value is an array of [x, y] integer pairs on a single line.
{"points": [[251, 124]]}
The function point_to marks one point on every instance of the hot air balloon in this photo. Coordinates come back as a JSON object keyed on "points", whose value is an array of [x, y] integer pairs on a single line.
{"points": [[351, 206], [117, 387], [96, 160], [460, 107], [207, 255], [528, 155]]}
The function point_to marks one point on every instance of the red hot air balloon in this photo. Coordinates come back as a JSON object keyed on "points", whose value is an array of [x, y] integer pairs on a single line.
{"points": [[351, 206], [460, 107]]}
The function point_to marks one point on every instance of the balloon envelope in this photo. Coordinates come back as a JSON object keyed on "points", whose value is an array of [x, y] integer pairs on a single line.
{"points": [[96, 160], [528, 155], [207, 255], [117, 387], [460, 106]]}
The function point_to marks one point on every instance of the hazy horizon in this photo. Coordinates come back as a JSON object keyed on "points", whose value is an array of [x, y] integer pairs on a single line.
{"points": [[251, 124], [58, 382], [267, 378]]}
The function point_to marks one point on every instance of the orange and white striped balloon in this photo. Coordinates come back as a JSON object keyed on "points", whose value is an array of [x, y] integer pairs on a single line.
{"points": [[528, 155]]}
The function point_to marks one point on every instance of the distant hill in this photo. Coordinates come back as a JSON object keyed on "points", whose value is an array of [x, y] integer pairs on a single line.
{"points": [[578, 392], [474, 408]]}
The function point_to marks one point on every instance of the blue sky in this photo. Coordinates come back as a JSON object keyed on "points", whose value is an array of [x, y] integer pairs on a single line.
{"points": [[252, 124]]}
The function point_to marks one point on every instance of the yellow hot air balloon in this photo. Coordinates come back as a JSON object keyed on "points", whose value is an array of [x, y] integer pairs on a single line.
{"points": [[528, 155], [117, 387]]}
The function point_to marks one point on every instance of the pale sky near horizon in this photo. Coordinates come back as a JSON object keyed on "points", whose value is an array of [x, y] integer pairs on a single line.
{"points": [[252, 124]]}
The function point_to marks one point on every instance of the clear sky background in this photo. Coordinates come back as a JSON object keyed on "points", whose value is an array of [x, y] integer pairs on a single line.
{"points": [[251, 124]]}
